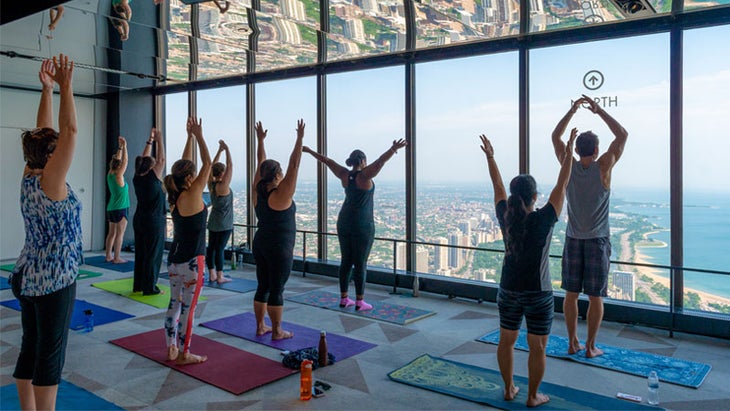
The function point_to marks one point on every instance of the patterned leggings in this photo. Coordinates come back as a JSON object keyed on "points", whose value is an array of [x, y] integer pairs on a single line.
{"points": [[186, 281]]}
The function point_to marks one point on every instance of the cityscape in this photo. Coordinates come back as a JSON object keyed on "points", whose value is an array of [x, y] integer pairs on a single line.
{"points": [[464, 216]]}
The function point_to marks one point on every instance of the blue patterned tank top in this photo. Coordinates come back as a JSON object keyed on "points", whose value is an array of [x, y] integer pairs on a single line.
{"points": [[52, 251]]}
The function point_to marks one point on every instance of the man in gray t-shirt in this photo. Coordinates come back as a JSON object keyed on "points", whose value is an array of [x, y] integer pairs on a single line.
{"points": [[587, 252]]}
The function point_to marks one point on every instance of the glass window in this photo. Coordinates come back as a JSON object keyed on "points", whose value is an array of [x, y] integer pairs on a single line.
{"points": [[176, 117], [558, 14], [706, 210], [223, 40], [458, 100], [441, 22], [224, 118], [305, 12], [365, 27], [365, 111], [286, 41], [629, 78], [693, 4], [177, 58], [279, 105]]}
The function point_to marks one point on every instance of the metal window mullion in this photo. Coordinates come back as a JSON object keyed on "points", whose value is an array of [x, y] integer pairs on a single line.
{"points": [[324, 29], [524, 109], [411, 204], [675, 160], [321, 167], [251, 160], [410, 15]]}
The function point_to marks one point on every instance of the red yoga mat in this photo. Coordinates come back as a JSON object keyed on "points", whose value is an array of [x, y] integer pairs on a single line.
{"points": [[227, 368]]}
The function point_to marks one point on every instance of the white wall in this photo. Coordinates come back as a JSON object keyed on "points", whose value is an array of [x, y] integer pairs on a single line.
{"points": [[18, 112]]}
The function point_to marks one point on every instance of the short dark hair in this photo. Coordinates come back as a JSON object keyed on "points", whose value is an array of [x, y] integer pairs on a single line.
{"points": [[38, 144], [143, 164], [586, 143], [356, 157]]}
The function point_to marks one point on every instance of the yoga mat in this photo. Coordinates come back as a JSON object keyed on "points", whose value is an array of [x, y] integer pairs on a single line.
{"points": [[123, 287], [244, 326], [100, 261], [239, 285], [393, 313], [672, 370], [227, 368], [485, 386], [83, 274], [70, 398], [102, 315], [4, 284]]}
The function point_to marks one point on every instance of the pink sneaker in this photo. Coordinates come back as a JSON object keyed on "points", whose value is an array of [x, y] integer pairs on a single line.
{"points": [[346, 302], [361, 305]]}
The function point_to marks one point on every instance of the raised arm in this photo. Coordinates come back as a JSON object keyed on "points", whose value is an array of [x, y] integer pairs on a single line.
{"points": [[228, 174], [147, 152], [557, 196], [499, 192], [198, 185], [122, 156], [54, 174], [374, 168], [338, 170], [562, 125], [260, 154], [188, 150], [616, 149], [281, 198], [160, 156], [44, 119]]}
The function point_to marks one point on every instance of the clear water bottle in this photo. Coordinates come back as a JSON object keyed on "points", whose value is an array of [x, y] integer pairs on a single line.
{"points": [[88, 321], [653, 383]]}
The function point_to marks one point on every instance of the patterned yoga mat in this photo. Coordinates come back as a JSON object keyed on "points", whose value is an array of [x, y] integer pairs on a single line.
{"points": [[239, 285], [672, 370], [83, 274], [398, 314], [485, 386], [70, 397]]}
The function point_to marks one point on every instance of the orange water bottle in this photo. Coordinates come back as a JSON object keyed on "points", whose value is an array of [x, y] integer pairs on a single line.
{"points": [[305, 381]]}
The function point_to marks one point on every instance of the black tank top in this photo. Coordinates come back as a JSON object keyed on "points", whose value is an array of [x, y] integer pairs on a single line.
{"points": [[357, 210], [274, 224], [189, 236]]}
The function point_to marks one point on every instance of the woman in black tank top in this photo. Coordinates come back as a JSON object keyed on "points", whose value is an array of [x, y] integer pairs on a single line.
{"points": [[355, 225], [273, 244]]}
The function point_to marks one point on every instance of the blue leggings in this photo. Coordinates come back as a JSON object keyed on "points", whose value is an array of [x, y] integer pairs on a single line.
{"points": [[355, 249]]}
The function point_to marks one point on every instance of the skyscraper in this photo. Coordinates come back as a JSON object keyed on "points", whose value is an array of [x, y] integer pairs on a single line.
{"points": [[455, 254], [441, 255], [625, 284]]}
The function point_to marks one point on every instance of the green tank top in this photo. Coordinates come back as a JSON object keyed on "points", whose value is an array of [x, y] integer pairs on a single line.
{"points": [[119, 199]]}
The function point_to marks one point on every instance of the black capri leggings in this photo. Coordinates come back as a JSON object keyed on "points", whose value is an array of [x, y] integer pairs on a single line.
{"points": [[217, 241], [45, 321], [355, 248], [273, 267]]}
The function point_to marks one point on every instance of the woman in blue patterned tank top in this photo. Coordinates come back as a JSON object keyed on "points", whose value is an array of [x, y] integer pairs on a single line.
{"points": [[44, 277]]}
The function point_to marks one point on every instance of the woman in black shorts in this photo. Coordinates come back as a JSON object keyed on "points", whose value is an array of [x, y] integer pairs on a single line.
{"points": [[525, 288], [273, 244]]}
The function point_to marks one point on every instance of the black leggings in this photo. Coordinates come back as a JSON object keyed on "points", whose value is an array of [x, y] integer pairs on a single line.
{"points": [[149, 243], [273, 267], [355, 249], [217, 241], [45, 321]]}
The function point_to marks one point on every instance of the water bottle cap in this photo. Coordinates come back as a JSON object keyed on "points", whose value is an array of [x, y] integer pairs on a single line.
{"points": [[88, 312], [323, 333]]}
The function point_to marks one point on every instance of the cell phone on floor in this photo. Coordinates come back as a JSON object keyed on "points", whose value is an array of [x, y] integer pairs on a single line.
{"points": [[317, 392]]}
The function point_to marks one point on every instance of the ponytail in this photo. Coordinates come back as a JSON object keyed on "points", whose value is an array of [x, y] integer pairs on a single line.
{"points": [[176, 181], [522, 189], [172, 192]]}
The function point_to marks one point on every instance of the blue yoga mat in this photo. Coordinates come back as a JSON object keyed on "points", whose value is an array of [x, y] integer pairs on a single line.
{"points": [[102, 315], [239, 285], [485, 386], [70, 397], [672, 370], [4, 284], [244, 326], [100, 261]]}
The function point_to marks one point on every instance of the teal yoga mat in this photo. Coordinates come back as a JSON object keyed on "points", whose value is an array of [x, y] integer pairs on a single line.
{"points": [[485, 386], [394, 313], [70, 397], [672, 370]]}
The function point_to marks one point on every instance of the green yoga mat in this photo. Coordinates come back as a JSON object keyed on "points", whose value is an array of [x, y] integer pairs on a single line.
{"points": [[83, 274], [123, 287], [485, 386]]}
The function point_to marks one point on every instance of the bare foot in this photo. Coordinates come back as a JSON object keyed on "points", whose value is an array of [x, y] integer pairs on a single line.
{"points": [[593, 352], [574, 347], [223, 280], [263, 330], [509, 396], [539, 399], [190, 358], [172, 353], [119, 261], [108, 259], [283, 335]]}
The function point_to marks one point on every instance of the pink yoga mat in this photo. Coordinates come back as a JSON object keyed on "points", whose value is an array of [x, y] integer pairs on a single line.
{"points": [[227, 368]]}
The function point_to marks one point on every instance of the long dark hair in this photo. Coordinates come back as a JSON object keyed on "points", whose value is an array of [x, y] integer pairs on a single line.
{"points": [[268, 171], [175, 182], [522, 189], [143, 164]]}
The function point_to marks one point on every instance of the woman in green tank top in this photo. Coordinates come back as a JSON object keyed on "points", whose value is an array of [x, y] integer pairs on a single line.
{"points": [[118, 206]]}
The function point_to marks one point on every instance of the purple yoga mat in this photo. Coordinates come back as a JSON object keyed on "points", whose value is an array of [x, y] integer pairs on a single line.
{"points": [[244, 326]]}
